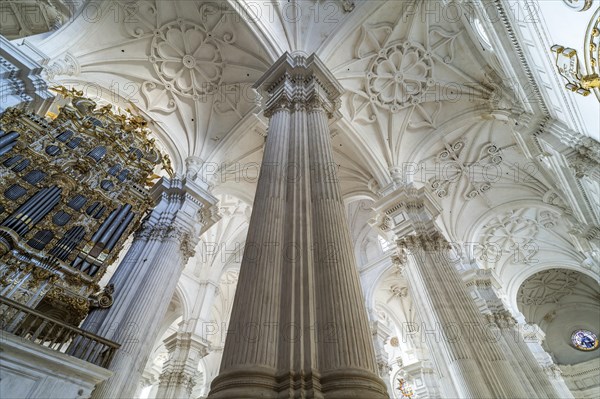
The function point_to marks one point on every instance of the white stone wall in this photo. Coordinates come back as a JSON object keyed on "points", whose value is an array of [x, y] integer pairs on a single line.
{"points": [[31, 371]]}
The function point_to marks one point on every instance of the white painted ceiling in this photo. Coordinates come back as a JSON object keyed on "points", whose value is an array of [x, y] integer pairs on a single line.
{"points": [[425, 88]]}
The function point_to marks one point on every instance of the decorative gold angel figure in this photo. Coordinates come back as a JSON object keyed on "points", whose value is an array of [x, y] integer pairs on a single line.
{"points": [[167, 166], [149, 144]]}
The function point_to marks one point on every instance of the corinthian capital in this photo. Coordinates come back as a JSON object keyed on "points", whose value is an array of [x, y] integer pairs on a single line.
{"points": [[188, 246], [433, 241], [553, 371], [183, 211], [502, 319], [298, 82], [400, 260]]}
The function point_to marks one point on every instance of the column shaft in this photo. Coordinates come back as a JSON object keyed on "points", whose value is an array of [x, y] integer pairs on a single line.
{"points": [[259, 281], [145, 283], [503, 328], [477, 363], [179, 372], [301, 289], [344, 325], [253, 330], [145, 313], [436, 288]]}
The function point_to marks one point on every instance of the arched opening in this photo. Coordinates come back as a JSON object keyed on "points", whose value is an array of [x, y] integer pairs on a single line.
{"points": [[564, 305]]}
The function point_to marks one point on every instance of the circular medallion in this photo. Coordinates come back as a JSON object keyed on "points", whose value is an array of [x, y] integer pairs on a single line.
{"points": [[584, 340], [578, 5], [186, 58], [400, 76]]}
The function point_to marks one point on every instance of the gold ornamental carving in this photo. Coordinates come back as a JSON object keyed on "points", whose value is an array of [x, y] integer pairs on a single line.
{"points": [[106, 157]]}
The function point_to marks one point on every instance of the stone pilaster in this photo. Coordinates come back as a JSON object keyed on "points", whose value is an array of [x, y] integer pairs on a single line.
{"points": [[555, 377], [380, 336], [146, 279], [453, 325], [179, 372], [503, 327], [533, 338], [425, 379], [299, 326]]}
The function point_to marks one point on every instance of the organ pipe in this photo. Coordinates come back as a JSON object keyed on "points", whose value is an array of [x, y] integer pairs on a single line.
{"points": [[110, 231], [30, 213], [117, 235], [7, 142], [49, 184]]}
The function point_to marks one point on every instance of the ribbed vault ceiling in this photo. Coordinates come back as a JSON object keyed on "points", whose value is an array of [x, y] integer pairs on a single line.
{"points": [[433, 97]]}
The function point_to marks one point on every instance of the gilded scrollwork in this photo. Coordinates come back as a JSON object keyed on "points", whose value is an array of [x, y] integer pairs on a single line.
{"points": [[103, 299]]}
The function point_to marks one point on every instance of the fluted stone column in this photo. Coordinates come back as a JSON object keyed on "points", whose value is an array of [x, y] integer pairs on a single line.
{"points": [[146, 279], [503, 326], [299, 326], [555, 376], [179, 373], [534, 336], [148, 380], [380, 336], [188, 346], [453, 324]]}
